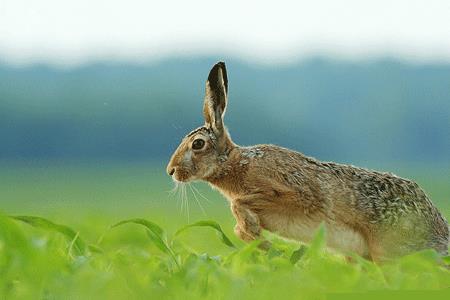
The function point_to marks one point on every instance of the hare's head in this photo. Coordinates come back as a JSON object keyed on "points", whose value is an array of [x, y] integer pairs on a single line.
{"points": [[201, 152]]}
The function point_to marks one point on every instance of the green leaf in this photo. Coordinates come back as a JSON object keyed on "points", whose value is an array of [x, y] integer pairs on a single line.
{"points": [[154, 232], [211, 224], [297, 254], [77, 244], [95, 249], [318, 242], [12, 235]]}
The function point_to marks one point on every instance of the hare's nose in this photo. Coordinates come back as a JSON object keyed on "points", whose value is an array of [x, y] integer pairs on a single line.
{"points": [[171, 171]]}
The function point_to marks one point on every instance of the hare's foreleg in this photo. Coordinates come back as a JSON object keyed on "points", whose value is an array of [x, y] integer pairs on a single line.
{"points": [[248, 227]]}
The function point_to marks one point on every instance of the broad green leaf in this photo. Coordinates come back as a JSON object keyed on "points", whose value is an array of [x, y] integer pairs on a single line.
{"points": [[274, 252], [318, 242], [154, 232], [11, 234], [245, 255], [76, 242], [155, 228], [211, 224], [95, 249], [297, 254]]}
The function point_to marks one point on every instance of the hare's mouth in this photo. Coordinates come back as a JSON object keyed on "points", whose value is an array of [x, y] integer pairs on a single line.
{"points": [[181, 175]]}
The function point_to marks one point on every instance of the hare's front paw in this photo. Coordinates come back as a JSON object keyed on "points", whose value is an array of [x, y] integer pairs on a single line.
{"points": [[242, 234], [265, 245], [245, 236], [248, 227]]}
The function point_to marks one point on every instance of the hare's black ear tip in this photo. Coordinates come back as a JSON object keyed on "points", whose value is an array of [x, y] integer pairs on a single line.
{"points": [[215, 69], [214, 73], [221, 64]]}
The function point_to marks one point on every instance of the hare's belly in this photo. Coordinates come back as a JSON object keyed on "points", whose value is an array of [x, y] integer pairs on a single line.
{"points": [[339, 237]]}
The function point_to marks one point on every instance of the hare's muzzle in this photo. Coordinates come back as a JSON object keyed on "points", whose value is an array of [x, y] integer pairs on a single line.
{"points": [[173, 166], [170, 169]]}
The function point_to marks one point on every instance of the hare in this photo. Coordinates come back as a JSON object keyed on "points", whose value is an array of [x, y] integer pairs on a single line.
{"points": [[376, 215]]}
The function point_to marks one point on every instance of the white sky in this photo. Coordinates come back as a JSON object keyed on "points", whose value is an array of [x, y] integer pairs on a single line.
{"points": [[72, 32]]}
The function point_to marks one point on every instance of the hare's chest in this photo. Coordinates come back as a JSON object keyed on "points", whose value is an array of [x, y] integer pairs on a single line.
{"points": [[339, 237]]}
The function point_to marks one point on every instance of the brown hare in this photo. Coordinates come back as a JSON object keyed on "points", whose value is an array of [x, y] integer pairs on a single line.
{"points": [[376, 215]]}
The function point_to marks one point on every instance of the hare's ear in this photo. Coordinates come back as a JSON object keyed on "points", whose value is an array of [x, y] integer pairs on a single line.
{"points": [[216, 98]]}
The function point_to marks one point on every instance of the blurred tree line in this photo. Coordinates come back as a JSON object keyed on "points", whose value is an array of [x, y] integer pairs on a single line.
{"points": [[334, 110]]}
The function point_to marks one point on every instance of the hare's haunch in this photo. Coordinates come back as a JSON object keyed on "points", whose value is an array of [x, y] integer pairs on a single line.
{"points": [[376, 215]]}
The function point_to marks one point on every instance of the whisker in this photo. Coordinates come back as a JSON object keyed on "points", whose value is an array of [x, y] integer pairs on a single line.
{"points": [[198, 191], [178, 196], [173, 193], [182, 199], [183, 203], [186, 201], [196, 199], [174, 189]]}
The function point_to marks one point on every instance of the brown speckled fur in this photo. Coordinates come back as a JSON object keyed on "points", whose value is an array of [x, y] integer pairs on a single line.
{"points": [[376, 215]]}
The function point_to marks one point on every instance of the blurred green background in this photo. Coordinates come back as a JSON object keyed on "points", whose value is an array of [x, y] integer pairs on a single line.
{"points": [[98, 136]]}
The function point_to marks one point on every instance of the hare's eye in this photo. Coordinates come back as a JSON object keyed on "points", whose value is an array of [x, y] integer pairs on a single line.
{"points": [[198, 144]]}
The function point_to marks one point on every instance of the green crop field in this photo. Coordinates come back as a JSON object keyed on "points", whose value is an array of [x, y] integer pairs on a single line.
{"points": [[120, 231]]}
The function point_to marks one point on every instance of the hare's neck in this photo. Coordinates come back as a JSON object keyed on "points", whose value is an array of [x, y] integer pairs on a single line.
{"points": [[228, 177]]}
